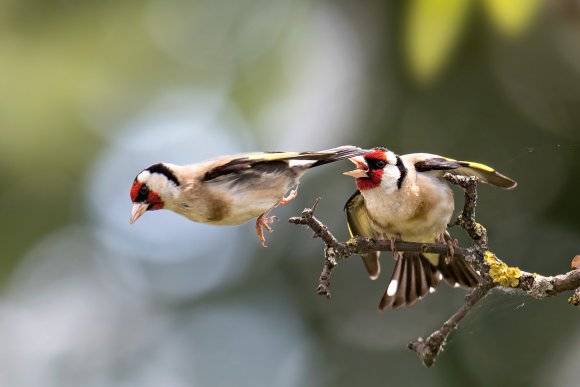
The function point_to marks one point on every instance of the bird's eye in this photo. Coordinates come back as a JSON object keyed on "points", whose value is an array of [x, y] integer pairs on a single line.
{"points": [[144, 190], [376, 164]]}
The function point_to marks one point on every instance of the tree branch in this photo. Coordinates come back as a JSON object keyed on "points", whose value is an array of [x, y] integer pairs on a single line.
{"points": [[467, 217], [493, 271], [429, 349]]}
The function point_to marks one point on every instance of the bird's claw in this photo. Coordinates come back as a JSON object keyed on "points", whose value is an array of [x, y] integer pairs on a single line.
{"points": [[291, 196], [451, 245], [262, 223], [394, 250]]}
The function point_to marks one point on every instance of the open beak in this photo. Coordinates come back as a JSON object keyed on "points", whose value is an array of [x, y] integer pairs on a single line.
{"points": [[362, 168], [137, 210]]}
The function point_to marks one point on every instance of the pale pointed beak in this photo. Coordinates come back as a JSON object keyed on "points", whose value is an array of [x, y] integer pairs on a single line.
{"points": [[137, 210], [362, 168]]}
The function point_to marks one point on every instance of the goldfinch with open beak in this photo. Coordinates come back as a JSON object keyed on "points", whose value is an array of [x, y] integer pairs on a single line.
{"points": [[229, 190], [406, 198]]}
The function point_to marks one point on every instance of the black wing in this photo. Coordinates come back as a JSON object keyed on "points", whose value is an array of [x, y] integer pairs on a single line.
{"points": [[278, 161], [247, 166], [465, 168]]}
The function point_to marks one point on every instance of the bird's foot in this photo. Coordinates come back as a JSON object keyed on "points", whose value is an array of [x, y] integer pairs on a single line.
{"points": [[291, 196], [451, 243], [394, 250], [262, 223]]}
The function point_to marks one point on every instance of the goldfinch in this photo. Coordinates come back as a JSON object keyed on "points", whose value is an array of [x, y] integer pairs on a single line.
{"points": [[229, 190], [406, 198]]}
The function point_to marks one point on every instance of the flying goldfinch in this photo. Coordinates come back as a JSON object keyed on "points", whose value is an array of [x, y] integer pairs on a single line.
{"points": [[406, 198], [229, 190]]}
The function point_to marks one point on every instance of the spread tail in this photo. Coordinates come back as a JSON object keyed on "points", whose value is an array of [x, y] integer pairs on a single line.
{"points": [[414, 277]]}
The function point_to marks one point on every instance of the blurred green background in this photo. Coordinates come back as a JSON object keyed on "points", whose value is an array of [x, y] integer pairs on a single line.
{"points": [[91, 92]]}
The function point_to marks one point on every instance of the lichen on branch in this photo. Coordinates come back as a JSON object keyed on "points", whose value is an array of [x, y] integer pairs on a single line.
{"points": [[500, 273]]}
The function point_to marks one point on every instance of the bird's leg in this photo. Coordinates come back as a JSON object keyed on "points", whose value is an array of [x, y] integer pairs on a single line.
{"points": [[263, 222], [291, 196], [394, 251]]}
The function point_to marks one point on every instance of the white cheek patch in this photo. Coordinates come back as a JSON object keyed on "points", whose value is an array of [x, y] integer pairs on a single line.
{"points": [[159, 184], [143, 176], [391, 175]]}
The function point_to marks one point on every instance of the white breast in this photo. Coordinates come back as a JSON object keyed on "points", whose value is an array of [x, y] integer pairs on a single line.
{"points": [[417, 212]]}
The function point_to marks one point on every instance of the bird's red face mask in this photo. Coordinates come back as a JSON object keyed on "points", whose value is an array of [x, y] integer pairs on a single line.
{"points": [[143, 200], [369, 172]]}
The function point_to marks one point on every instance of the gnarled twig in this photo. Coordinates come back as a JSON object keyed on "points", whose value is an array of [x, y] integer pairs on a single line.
{"points": [[494, 272]]}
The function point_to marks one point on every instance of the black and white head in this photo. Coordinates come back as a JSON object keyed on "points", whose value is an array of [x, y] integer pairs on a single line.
{"points": [[379, 168], [153, 188]]}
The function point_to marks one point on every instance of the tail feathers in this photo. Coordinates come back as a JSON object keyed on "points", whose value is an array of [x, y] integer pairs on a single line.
{"points": [[433, 279], [372, 264], [339, 153], [458, 273], [413, 278]]}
